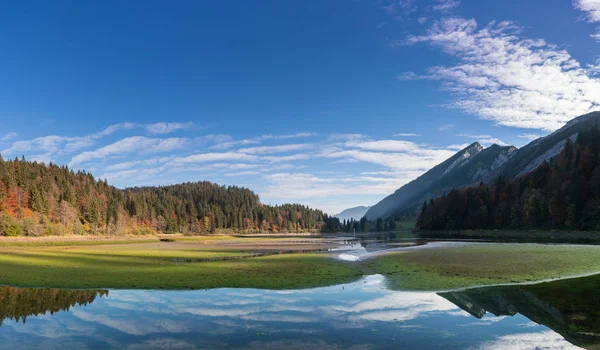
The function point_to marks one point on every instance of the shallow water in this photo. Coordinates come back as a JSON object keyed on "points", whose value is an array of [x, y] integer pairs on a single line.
{"points": [[360, 315]]}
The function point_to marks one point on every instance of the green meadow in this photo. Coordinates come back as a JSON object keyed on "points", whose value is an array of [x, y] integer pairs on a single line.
{"points": [[201, 263]]}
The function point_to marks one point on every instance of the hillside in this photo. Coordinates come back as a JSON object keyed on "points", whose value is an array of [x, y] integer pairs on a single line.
{"points": [[468, 166], [355, 213], [561, 194], [532, 155], [484, 165], [38, 199]]}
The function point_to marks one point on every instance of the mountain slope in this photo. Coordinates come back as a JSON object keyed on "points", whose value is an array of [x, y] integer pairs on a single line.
{"points": [[355, 213], [530, 156], [470, 165], [489, 164], [562, 194]]}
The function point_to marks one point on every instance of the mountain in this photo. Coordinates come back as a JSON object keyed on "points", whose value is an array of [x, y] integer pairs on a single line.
{"points": [[468, 166], [562, 194], [475, 164], [530, 156], [355, 213], [38, 199]]}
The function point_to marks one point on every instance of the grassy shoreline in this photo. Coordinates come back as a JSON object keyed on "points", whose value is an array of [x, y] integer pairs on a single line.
{"points": [[185, 264], [484, 264], [529, 236]]}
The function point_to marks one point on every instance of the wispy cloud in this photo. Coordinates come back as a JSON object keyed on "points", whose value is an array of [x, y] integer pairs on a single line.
{"points": [[591, 8], [252, 141], [128, 145], [408, 76], [8, 137], [530, 137], [446, 127], [484, 140], [306, 185], [402, 156], [507, 78], [165, 128], [446, 5], [48, 147], [211, 157], [277, 149], [458, 147], [407, 134]]}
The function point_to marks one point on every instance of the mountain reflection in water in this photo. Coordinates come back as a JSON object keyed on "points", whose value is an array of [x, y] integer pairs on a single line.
{"points": [[569, 307], [360, 315]]}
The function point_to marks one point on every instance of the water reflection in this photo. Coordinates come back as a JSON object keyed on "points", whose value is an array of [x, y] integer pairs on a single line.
{"points": [[18, 303], [361, 315], [569, 307]]}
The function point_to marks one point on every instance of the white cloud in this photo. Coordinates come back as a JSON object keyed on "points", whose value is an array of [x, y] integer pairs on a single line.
{"points": [[129, 145], [287, 136], [404, 161], [165, 128], [509, 79], [277, 149], [446, 127], [446, 5], [211, 157], [243, 173], [408, 76], [401, 160], [417, 161], [306, 185], [592, 13], [131, 164], [458, 147], [484, 140], [111, 129], [400, 9], [529, 137], [290, 158], [8, 136], [389, 145], [51, 146], [226, 144], [346, 137], [407, 134]]}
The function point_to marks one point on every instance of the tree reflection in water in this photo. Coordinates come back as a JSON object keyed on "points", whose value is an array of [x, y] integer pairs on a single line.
{"points": [[18, 303]]}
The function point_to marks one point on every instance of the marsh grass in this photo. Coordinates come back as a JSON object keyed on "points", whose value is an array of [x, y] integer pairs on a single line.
{"points": [[484, 264], [157, 265], [232, 262]]}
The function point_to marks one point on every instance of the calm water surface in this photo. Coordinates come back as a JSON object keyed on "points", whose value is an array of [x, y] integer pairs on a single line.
{"points": [[360, 315]]}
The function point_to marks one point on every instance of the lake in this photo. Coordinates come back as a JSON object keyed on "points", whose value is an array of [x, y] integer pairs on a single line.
{"points": [[360, 315]]}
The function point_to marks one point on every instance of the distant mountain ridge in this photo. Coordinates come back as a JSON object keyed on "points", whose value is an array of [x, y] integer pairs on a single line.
{"points": [[355, 213], [475, 164]]}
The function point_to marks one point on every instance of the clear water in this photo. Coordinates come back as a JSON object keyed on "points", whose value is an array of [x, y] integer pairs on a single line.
{"points": [[360, 315]]}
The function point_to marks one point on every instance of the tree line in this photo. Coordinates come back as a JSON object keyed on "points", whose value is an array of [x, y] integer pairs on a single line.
{"points": [[563, 193], [47, 199]]}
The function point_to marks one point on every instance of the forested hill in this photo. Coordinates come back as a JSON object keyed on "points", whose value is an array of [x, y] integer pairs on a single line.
{"points": [[562, 194], [38, 199]]}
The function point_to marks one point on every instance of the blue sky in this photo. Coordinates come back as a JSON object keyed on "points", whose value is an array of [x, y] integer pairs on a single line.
{"points": [[329, 103]]}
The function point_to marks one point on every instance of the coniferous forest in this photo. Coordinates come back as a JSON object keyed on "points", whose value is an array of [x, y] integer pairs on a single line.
{"points": [[38, 199], [561, 194]]}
